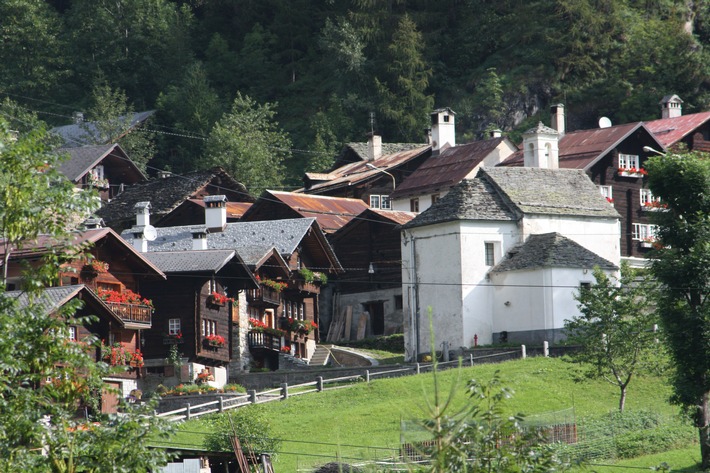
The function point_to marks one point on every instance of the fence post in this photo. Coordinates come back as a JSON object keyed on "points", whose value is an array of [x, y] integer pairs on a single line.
{"points": [[187, 412], [523, 352], [252, 396], [418, 368], [471, 357], [221, 404], [284, 390], [367, 376], [546, 349], [319, 383]]}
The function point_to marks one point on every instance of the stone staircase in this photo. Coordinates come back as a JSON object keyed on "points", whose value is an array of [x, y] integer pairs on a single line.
{"points": [[320, 357]]}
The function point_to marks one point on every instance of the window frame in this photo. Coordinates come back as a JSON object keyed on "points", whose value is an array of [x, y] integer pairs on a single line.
{"points": [[629, 161], [643, 231], [489, 253], [414, 204], [172, 323]]}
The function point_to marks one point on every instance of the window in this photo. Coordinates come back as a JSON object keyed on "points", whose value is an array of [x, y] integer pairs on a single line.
{"points": [[212, 286], [414, 205], [173, 326], [398, 302], [380, 202], [648, 200], [435, 198], [605, 191], [98, 172], [628, 161], [642, 231], [490, 249], [72, 333], [209, 327]]}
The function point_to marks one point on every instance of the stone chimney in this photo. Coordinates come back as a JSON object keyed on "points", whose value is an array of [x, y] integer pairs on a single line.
{"points": [[540, 147], [374, 147], [93, 223], [78, 117], [671, 106], [558, 118], [199, 237], [443, 131], [497, 133], [215, 212], [142, 213]]}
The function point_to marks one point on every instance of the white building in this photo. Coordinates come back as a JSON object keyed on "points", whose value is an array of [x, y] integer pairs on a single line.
{"points": [[502, 255]]}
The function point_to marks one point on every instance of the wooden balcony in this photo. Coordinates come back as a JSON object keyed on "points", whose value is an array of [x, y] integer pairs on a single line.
{"points": [[132, 314], [265, 341], [264, 296]]}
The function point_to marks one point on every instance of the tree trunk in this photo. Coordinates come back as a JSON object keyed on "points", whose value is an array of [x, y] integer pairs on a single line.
{"points": [[622, 398], [704, 432]]}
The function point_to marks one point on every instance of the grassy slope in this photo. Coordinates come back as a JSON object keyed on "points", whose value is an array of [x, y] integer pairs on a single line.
{"points": [[370, 414]]}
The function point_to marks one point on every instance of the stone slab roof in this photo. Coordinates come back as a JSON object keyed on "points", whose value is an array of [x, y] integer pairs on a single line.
{"points": [[471, 199], [550, 191], [508, 193], [50, 299], [551, 250], [165, 194], [190, 261], [80, 134]]}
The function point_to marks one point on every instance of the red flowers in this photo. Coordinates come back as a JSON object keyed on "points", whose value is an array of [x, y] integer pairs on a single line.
{"points": [[220, 299], [277, 286], [215, 340], [125, 297], [285, 349]]}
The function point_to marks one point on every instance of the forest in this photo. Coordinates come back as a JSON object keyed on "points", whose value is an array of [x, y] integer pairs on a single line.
{"points": [[270, 89]]}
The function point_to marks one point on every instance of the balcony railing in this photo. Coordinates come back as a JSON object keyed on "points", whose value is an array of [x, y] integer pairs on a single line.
{"points": [[132, 313], [264, 340], [263, 295]]}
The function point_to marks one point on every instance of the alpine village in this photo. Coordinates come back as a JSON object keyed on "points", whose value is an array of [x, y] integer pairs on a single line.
{"points": [[354, 236]]}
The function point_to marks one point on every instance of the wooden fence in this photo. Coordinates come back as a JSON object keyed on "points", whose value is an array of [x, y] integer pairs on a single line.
{"points": [[320, 384]]}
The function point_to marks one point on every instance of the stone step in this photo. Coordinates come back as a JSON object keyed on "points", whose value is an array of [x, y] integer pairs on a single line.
{"points": [[320, 357]]}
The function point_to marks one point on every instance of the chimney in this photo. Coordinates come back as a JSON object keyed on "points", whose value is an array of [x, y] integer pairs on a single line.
{"points": [[93, 223], [140, 242], [374, 147], [78, 117], [215, 212], [199, 237], [671, 106], [142, 213], [443, 131], [558, 118], [540, 147], [497, 133]]}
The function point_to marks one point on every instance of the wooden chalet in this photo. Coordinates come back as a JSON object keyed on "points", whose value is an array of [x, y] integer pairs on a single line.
{"points": [[198, 308], [285, 257], [169, 193], [675, 131], [613, 158], [370, 177], [110, 280], [106, 168]]}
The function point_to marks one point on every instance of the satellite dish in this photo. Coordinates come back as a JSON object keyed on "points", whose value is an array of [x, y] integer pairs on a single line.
{"points": [[149, 233], [604, 122]]}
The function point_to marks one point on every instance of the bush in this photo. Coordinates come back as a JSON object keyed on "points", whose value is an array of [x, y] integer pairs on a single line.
{"points": [[655, 440], [252, 426]]}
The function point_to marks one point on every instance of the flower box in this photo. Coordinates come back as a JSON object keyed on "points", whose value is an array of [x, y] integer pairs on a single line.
{"points": [[646, 244], [218, 300], [632, 172], [215, 341]]}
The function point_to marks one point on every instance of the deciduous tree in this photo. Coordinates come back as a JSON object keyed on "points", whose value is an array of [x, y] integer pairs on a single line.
{"points": [[681, 263], [615, 331]]}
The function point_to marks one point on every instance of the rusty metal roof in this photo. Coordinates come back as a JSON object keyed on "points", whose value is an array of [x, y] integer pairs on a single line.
{"points": [[448, 168], [331, 213], [669, 131], [399, 217], [354, 173], [581, 149]]}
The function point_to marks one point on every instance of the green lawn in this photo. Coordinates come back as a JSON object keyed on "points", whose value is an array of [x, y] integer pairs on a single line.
{"points": [[363, 421]]}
